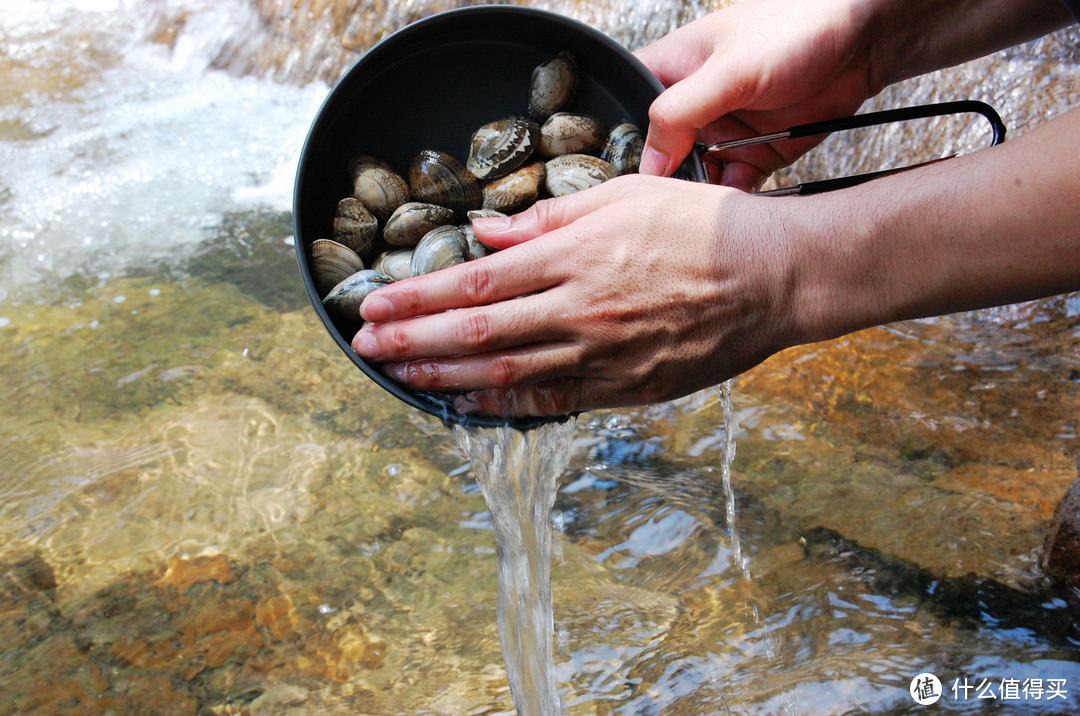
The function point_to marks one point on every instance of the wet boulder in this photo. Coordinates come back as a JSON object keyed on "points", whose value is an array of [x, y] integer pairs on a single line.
{"points": [[1061, 552]]}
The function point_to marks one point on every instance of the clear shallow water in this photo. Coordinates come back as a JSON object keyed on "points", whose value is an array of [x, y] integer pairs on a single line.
{"points": [[204, 505]]}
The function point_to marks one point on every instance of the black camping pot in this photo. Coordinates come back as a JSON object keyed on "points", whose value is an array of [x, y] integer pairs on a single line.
{"points": [[430, 86]]}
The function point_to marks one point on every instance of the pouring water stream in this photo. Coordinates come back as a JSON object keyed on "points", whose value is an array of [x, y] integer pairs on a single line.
{"points": [[518, 473]]}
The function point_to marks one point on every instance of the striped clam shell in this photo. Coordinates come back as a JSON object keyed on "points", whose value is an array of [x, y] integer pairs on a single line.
{"points": [[623, 148], [440, 248], [500, 147], [554, 84], [570, 133], [574, 172], [438, 178], [377, 185], [354, 225], [395, 264], [343, 301], [408, 224], [516, 191], [331, 263]]}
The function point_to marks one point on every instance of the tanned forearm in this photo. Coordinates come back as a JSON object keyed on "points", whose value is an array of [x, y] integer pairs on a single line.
{"points": [[995, 227], [912, 37]]}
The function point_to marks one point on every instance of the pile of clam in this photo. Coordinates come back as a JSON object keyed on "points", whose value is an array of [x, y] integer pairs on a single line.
{"points": [[403, 227]]}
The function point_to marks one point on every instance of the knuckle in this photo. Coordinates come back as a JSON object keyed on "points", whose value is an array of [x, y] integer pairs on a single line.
{"points": [[664, 111], [477, 285], [548, 399], [396, 341], [422, 375], [549, 213], [506, 371], [477, 330]]}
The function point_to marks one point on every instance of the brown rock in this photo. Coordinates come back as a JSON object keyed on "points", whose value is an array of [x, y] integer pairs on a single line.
{"points": [[276, 615], [181, 573], [1061, 551]]}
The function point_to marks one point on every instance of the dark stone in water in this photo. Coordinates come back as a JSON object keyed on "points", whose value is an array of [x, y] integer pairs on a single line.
{"points": [[968, 600], [26, 571], [1061, 551], [248, 250]]}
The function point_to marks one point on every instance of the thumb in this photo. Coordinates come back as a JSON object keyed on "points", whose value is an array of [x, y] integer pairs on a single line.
{"points": [[708, 93]]}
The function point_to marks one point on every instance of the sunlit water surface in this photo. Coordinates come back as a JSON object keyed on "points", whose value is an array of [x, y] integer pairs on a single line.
{"points": [[206, 509]]}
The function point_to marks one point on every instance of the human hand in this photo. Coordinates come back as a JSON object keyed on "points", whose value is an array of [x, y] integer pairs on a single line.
{"points": [[639, 290], [756, 67]]}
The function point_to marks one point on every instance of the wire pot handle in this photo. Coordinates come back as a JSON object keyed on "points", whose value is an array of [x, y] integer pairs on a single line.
{"points": [[868, 119]]}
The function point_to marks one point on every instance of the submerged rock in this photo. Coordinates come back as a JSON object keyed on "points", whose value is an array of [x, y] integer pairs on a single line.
{"points": [[1061, 552]]}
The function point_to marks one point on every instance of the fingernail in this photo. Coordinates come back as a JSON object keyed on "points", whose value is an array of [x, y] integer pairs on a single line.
{"points": [[397, 371], [491, 223], [375, 308], [653, 162], [365, 343]]}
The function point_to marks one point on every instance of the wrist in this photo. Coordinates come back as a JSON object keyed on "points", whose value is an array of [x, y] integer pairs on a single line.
{"points": [[827, 274]]}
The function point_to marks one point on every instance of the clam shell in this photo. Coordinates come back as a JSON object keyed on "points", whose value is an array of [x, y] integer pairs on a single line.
{"points": [[482, 214], [574, 172], [377, 185], [438, 178], [410, 221], [355, 226], [331, 263], [395, 264], [569, 133], [477, 248], [517, 190], [553, 86], [343, 301], [622, 149], [439, 249], [500, 147]]}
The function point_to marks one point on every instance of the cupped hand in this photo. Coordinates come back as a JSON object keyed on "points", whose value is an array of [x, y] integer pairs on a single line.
{"points": [[756, 67], [639, 290]]}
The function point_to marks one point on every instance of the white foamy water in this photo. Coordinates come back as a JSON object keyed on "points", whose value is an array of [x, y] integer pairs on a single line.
{"points": [[116, 149]]}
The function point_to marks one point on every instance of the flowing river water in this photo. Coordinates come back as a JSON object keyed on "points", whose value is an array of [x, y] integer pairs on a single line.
{"points": [[206, 509]]}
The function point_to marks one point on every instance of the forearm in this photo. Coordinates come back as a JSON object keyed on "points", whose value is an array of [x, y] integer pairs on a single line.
{"points": [[911, 37], [995, 227]]}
